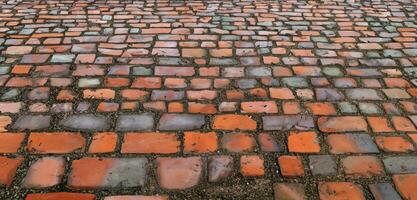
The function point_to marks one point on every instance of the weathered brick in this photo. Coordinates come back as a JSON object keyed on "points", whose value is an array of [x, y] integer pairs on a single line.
{"points": [[288, 122], [8, 172], [161, 143], [342, 124], [179, 173], [89, 173], [135, 122], [172, 122], [59, 142], [340, 190], [85, 122], [45, 172]]}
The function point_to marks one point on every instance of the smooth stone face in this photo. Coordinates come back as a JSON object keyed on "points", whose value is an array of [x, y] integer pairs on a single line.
{"points": [[299, 122], [32, 122], [128, 172], [363, 94], [138, 122], [179, 173], [401, 165], [219, 168], [322, 165], [384, 191], [172, 122], [85, 122]]}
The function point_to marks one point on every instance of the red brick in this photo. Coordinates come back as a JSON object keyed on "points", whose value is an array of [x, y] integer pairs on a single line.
{"points": [[268, 143], [403, 124], [99, 94], [133, 94], [406, 185], [342, 124], [201, 95], [259, 107], [281, 93], [234, 122], [291, 107], [321, 108], [147, 82], [45, 172], [162, 143], [103, 143], [61, 196], [252, 166], [362, 166], [394, 144], [291, 166], [202, 108], [11, 142], [179, 173], [4, 122], [238, 142], [195, 142], [59, 142], [303, 142], [379, 124], [340, 191], [8, 168]]}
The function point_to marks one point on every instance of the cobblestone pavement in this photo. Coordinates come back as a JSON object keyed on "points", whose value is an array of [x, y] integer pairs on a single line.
{"points": [[158, 99]]}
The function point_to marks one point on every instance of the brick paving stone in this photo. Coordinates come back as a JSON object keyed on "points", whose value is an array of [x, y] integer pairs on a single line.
{"points": [[234, 122], [401, 164], [59, 142], [138, 122], [405, 183], [11, 142], [322, 165], [85, 122], [179, 173], [219, 168], [32, 122], [351, 143], [8, 172], [171, 122], [384, 191], [107, 173], [45, 172], [287, 191], [233, 93], [362, 166], [288, 122], [340, 190], [252, 166], [162, 143], [61, 195]]}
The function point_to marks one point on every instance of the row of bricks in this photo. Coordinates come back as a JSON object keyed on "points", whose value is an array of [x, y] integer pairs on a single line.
{"points": [[90, 173], [224, 122], [286, 107], [198, 142], [205, 83], [282, 191], [243, 61], [306, 73], [278, 93], [175, 173], [124, 52]]}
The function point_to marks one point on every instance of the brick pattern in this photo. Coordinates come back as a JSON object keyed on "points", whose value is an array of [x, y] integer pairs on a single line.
{"points": [[157, 100]]}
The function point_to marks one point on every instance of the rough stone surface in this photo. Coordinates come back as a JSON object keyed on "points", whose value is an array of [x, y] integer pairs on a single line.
{"points": [[140, 122], [172, 122], [85, 122]]}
